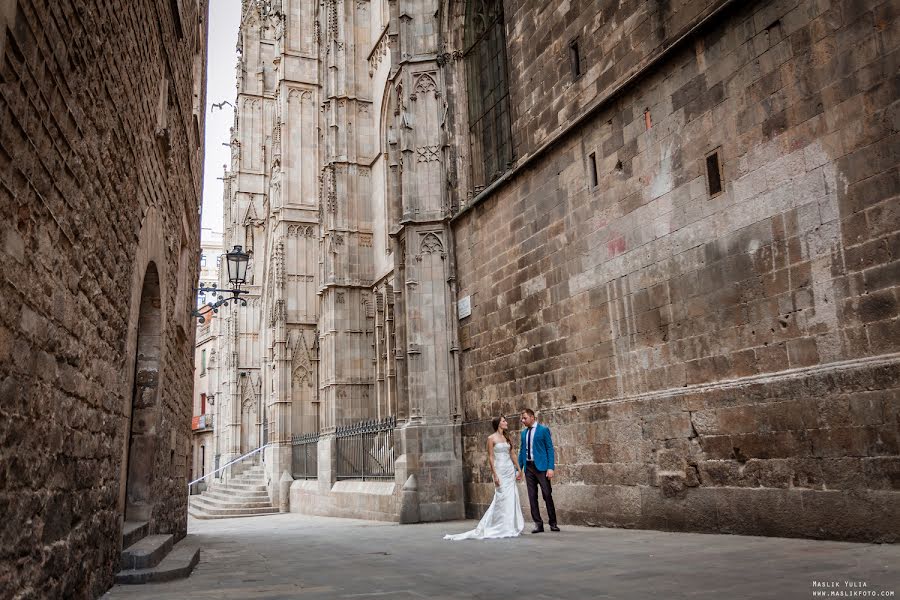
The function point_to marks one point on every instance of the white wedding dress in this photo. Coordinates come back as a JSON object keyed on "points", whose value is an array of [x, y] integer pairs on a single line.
{"points": [[504, 516]]}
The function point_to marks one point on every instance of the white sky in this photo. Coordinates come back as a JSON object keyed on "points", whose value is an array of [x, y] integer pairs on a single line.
{"points": [[224, 19]]}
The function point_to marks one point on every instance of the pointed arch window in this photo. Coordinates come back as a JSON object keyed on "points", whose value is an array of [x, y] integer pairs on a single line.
{"points": [[490, 137]]}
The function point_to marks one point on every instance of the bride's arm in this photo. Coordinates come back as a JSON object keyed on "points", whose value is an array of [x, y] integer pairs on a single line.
{"points": [[490, 449], [515, 461]]}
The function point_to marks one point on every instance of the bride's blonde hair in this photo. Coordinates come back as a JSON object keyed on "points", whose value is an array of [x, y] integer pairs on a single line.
{"points": [[496, 424]]}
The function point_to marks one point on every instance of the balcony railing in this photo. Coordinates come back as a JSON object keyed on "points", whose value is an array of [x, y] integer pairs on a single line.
{"points": [[305, 456], [366, 450]]}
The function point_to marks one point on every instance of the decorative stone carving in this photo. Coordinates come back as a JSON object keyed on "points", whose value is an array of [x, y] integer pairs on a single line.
{"points": [[427, 154], [328, 189], [250, 217], [431, 244], [301, 231], [379, 52], [278, 260], [299, 94], [280, 312], [423, 84], [301, 359]]}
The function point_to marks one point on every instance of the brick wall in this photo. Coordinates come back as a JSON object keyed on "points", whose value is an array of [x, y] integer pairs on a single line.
{"points": [[101, 124], [712, 363]]}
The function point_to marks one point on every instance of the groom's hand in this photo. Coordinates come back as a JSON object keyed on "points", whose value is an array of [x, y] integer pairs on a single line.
{"points": [[519, 476], [549, 473]]}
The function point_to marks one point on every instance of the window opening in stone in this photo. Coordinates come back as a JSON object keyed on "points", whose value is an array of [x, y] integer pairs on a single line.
{"points": [[713, 174], [574, 59], [490, 135], [202, 363], [592, 167]]}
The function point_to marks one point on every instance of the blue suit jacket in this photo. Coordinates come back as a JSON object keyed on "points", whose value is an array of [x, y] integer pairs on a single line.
{"points": [[542, 449]]}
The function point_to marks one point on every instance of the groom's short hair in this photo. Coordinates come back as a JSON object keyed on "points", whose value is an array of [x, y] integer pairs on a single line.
{"points": [[528, 411]]}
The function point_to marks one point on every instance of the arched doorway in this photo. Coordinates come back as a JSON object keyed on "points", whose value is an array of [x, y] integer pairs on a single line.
{"points": [[142, 438]]}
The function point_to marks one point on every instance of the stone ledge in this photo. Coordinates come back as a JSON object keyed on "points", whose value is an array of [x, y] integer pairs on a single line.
{"points": [[373, 500], [378, 488]]}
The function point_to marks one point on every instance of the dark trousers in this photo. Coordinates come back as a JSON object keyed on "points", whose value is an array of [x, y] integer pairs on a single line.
{"points": [[533, 477]]}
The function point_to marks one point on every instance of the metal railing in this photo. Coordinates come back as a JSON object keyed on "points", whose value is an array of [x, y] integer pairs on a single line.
{"points": [[366, 450], [305, 456], [229, 463]]}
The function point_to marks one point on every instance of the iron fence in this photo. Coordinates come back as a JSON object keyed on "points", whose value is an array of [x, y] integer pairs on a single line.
{"points": [[305, 456], [366, 450]]}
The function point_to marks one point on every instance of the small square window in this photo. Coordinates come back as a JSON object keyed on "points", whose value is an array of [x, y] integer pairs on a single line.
{"points": [[714, 173]]}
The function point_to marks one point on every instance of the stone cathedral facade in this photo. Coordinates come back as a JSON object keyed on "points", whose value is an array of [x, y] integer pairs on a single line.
{"points": [[351, 312], [671, 229]]}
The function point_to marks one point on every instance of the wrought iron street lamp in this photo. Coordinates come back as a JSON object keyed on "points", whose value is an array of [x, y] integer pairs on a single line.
{"points": [[236, 264]]}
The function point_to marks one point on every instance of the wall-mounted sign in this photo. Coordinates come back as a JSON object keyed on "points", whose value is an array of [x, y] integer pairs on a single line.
{"points": [[464, 307]]}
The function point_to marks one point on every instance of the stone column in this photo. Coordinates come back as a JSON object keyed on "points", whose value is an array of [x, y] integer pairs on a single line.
{"points": [[326, 463], [347, 307], [429, 435], [278, 455]]}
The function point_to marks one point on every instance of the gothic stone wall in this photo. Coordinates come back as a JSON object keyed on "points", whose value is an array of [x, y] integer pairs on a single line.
{"points": [[726, 363], [88, 154]]}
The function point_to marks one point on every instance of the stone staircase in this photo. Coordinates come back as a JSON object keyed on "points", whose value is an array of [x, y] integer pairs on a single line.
{"points": [[154, 558], [243, 496]]}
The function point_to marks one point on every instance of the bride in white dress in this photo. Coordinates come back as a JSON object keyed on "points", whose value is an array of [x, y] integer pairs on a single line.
{"points": [[504, 516]]}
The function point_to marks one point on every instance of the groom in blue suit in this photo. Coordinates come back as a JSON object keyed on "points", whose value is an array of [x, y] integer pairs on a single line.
{"points": [[536, 453]]}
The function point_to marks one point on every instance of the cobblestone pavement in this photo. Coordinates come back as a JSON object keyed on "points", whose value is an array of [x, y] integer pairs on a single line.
{"points": [[294, 556]]}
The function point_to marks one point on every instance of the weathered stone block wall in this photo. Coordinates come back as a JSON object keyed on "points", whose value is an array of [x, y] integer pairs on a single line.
{"points": [[615, 39], [725, 363], [101, 125]]}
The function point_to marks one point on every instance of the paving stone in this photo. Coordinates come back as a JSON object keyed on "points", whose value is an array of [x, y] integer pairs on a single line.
{"points": [[298, 556]]}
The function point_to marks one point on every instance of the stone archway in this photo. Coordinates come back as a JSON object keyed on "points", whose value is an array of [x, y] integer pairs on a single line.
{"points": [[142, 424]]}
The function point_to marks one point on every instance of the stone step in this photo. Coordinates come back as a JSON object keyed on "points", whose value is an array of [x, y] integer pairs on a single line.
{"points": [[200, 514], [242, 486], [133, 531], [230, 512], [147, 552], [257, 489], [217, 503], [251, 470], [252, 473], [250, 480], [235, 495], [179, 563]]}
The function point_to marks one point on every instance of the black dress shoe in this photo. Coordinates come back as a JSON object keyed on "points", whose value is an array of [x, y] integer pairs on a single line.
{"points": [[537, 530], [554, 528]]}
